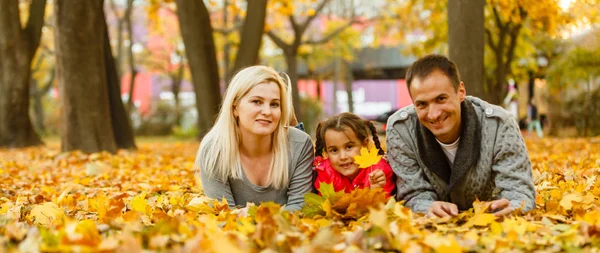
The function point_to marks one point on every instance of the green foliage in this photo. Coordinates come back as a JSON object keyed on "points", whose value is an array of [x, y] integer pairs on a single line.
{"points": [[185, 133], [311, 113], [581, 112], [314, 203], [577, 65], [340, 205], [160, 121], [341, 46]]}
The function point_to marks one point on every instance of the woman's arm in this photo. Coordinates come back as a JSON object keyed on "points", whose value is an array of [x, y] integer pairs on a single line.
{"points": [[301, 181], [216, 189]]}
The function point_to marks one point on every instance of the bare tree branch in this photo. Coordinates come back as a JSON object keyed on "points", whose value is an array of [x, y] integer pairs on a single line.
{"points": [[294, 24], [308, 20], [332, 35], [501, 25], [490, 39], [170, 11], [340, 29], [34, 24], [127, 15], [47, 49], [514, 35], [114, 8], [278, 41], [225, 31], [48, 84]]}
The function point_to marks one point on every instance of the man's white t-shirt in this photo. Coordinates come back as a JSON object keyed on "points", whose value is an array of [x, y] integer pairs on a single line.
{"points": [[450, 150]]}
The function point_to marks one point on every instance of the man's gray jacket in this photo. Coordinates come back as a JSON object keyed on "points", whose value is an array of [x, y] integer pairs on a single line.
{"points": [[499, 169]]}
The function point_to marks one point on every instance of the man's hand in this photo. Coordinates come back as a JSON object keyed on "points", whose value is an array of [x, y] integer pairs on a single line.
{"points": [[377, 179], [501, 207], [442, 209]]}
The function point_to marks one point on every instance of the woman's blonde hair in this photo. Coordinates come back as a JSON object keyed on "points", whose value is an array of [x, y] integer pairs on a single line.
{"points": [[219, 154]]}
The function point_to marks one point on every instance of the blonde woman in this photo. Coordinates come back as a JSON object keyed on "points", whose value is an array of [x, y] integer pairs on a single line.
{"points": [[251, 155]]}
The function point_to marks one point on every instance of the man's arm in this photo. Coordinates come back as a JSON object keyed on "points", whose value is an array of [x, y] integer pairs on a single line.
{"points": [[412, 185], [512, 167]]}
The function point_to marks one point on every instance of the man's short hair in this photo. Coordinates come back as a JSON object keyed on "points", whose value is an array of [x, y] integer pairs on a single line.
{"points": [[424, 66]]}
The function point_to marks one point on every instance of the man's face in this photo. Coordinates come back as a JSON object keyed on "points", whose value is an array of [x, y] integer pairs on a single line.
{"points": [[438, 105]]}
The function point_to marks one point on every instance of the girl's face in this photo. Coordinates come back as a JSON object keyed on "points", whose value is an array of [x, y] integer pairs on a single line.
{"points": [[259, 110], [341, 147]]}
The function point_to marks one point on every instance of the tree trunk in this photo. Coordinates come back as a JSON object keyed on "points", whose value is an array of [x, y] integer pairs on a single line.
{"points": [[17, 48], [132, 69], [466, 42], [348, 79], [252, 33], [120, 120], [197, 33], [38, 95], [227, 46], [530, 85], [291, 50], [176, 88], [337, 78], [504, 52], [81, 72], [292, 64], [119, 58], [38, 109]]}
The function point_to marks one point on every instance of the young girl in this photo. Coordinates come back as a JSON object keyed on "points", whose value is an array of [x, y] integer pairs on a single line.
{"points": [[341, 138]]}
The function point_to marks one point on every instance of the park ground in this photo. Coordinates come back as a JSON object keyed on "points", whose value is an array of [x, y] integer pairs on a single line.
{"points": [[149, 200]]}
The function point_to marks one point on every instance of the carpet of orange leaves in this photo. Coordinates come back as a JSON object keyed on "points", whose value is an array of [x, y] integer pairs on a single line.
{"points": [[148, 200]]}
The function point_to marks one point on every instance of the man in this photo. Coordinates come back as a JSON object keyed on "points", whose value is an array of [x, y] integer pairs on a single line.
{"points": [[449, 149]]}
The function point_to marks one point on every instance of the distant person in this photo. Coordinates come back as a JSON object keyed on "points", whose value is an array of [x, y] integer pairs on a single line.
{"points": [[533, 119], [449, 149], [251, 155], [511, 101], [340, 138]]}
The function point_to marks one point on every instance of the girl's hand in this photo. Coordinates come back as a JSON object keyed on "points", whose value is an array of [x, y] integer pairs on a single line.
{"points": [[377, 179], [241, 212]]}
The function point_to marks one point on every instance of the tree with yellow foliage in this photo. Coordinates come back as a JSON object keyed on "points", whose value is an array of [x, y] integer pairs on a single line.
{"points": [[509, 26], [299, 15]]}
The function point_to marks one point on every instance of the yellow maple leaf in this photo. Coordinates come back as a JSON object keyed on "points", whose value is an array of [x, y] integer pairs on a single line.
{"points": [[83, 233], [567, 200], [327, 208], [480, 219], [100, 204], [139, 203], [5, 207], [245, 226], [200, 205], [46, 213], [481, 206], [450, 246], [496, 228], [367, 157]]}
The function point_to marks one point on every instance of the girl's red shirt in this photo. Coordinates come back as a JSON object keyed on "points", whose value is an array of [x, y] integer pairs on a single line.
{"points": [[327, 174]]}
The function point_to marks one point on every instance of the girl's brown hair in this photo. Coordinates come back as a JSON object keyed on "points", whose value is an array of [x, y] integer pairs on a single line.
{"points": [[342, 122]]}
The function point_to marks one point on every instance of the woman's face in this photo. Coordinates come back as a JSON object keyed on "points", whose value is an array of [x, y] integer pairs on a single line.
{"points": [[258, 112]]}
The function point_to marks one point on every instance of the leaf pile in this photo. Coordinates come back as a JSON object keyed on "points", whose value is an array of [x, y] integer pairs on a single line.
{"points": [[148, 200]]}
